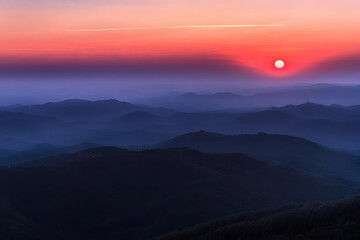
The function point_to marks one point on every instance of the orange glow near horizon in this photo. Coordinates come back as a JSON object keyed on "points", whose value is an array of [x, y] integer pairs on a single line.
{"points": [[299, 32]]}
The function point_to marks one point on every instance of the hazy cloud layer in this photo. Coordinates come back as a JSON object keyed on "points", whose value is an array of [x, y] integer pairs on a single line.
{"points": [[348, 64], [207, 64], [176, 65]]}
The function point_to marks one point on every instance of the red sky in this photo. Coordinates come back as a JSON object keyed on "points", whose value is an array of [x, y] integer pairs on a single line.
{"points": [[249, 33]]}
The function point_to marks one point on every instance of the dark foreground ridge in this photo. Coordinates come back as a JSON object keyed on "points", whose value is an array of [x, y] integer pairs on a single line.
{"points": [[112, 193], [336, 220]]}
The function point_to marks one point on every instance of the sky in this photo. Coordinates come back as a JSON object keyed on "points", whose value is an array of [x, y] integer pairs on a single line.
{"points": [[180, 37]]}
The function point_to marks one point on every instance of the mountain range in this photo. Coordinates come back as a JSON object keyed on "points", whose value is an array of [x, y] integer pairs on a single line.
{"points": [[112, 193], [326, 94], [79, 109], [115, 123], [289, 151]]}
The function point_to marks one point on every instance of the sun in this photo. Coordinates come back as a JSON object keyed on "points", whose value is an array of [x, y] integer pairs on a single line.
{"points": [[279, 64]]}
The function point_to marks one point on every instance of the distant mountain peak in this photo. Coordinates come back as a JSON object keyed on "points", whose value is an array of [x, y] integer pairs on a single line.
{"points": [[310, 104], [72, 100], [110, 100]]}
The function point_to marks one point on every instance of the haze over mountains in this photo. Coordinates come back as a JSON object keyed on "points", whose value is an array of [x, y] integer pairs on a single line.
{"points": [[179, 120], [326, 94], [116, 123], [185, 161]]}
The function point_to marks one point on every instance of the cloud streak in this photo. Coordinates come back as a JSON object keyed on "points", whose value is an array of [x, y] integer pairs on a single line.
{"points": [[177, 27]]}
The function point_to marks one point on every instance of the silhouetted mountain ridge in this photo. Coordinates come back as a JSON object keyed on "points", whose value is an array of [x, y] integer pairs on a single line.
{"points": [[112, 193], [111, 122], [332, 112], [285, 150], [82, 108], [262, 98], [334, 220], [40, 151]]}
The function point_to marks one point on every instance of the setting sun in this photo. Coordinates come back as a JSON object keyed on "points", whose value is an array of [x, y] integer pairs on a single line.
{"points": [[279, 64]]}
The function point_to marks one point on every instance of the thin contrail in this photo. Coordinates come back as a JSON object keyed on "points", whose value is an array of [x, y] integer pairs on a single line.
{"points": [[177, 27]]}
